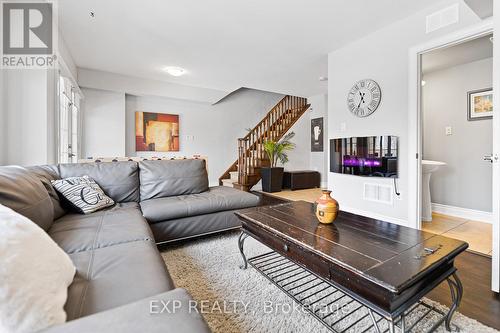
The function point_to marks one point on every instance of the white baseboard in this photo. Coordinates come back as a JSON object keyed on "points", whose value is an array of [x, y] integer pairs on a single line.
{"points": [[374, 215], [466, 213]]}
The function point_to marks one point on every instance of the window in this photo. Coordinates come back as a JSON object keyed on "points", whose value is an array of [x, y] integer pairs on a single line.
{"points": [[69, 121]]}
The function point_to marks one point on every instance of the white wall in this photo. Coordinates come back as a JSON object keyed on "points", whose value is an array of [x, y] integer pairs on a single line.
{"points": [[209, 130], [28, 112], [103, 123], [68, 66], [3, 118], [466, 179], [384, 57], [319, 160], [29, 117], [299, 156]]}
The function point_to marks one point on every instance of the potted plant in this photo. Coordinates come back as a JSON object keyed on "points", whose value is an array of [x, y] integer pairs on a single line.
{"points": [[272, 177]]}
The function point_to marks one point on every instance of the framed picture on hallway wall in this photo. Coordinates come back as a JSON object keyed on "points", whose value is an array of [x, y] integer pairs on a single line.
{"points": [[480, 104], [317, 134], [156, 132]]}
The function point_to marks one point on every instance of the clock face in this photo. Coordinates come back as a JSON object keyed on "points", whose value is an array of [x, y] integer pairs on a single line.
{"points": [[364, 98]]}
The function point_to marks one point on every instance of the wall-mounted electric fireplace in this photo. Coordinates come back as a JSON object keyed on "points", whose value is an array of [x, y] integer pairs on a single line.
{"points": [[374, 156]]}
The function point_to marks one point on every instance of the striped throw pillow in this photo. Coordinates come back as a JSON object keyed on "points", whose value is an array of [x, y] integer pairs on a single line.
{"points": [[84, 193]]}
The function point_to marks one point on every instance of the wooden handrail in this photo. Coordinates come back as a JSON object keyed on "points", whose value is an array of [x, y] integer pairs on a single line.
{"points": [[266, 116]]}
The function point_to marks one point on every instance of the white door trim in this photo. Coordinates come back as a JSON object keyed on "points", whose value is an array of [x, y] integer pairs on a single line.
{"points": [[495, 284], [415, 124]]}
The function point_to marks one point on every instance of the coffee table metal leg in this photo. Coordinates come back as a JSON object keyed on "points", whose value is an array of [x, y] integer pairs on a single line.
{"points": [[392, 327], [403, 323], [241, 241], [375, 322], [456, 290]]}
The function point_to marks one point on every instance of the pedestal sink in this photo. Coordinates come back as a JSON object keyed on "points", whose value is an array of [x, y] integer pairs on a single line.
{"points": [[428, 167]]}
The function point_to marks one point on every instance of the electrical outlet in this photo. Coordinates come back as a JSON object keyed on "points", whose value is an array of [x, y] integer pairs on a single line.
{"points": [[448, 130]]}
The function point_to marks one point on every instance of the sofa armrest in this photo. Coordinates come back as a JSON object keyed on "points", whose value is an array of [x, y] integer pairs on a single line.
{"points": [[172, 311]]}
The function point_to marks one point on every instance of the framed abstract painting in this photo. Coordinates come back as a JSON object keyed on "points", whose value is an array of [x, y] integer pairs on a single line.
{"points": [[480, 104], [156, 132]]}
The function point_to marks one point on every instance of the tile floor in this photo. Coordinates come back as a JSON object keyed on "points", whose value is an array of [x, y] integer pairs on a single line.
{"points": [[477, 234]]}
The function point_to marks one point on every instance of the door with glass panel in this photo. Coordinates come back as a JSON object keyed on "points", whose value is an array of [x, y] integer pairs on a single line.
{"points": [[68, 122]]}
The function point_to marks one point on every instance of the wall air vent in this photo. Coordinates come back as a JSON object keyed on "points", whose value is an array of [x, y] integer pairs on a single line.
{"points": [[378, 193], [441, 19]]}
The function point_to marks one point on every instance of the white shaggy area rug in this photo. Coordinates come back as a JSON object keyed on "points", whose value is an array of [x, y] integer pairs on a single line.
{"points": [[236, 300]]}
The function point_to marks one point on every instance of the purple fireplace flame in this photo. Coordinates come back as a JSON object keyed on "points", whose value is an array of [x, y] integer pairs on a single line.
{"points": [[359, 162]]}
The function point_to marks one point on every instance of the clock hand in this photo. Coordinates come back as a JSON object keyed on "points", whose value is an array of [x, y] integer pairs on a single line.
{"points": [[361, 100]]}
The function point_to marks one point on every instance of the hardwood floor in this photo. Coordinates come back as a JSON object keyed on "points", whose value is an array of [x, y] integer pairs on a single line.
{"points": [[474, 270], [309, 195], [478, 302]]}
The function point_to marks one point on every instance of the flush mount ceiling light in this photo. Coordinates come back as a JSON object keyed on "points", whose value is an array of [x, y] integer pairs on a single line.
{"points": [[174, 71]]}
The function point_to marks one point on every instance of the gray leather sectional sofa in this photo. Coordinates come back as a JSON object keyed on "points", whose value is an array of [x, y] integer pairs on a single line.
{"points": [[119, 268]]}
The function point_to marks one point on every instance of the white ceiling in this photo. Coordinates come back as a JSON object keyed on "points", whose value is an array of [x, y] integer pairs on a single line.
{"points": [[272, 45], [474, 50]]}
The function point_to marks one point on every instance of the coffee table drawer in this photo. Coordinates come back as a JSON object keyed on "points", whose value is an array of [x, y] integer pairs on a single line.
{"points": [[292, 251]]}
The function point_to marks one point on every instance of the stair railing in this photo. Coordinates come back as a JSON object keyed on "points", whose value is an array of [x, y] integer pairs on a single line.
{"points": [[272, 127]]}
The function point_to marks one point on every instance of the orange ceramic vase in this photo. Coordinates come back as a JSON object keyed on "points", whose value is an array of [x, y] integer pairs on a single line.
{"points": [[327, 208]]}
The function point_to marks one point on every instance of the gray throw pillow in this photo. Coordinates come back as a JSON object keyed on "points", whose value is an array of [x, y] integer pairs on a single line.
{"points": [[83, 193]]}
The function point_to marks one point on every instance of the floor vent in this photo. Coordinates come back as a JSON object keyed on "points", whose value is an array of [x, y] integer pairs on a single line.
{"points": [[378, 193], [442, 18]]}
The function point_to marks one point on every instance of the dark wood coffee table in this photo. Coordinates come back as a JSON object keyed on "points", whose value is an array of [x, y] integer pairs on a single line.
{"points": [[385, 267]]}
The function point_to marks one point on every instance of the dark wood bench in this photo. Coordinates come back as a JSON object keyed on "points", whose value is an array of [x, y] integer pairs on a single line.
{"points": [[300, 180]]}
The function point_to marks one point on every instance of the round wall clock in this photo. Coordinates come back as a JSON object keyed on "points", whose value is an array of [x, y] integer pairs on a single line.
{"points": [[364, 98]]}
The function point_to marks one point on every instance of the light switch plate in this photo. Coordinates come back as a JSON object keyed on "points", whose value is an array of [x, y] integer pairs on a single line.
{"points": [[448, 130]]}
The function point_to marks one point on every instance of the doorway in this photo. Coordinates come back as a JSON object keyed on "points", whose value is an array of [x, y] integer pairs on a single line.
{"points": [[457, 140], [415, 142]]}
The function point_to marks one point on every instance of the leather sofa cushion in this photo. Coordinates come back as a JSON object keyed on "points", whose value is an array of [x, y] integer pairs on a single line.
{"points": [[24, 193], [133, 317], [122, 223], [116, 275], [47, 173], [216, 199], [119, 180], [168, 178], [192, 226]]}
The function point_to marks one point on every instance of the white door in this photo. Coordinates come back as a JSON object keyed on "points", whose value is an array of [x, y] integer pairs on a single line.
{"points": [[496, 149], [68, 122]]}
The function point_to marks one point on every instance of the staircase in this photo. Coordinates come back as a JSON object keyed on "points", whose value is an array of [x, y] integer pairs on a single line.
{"points": [[245, 171]]}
